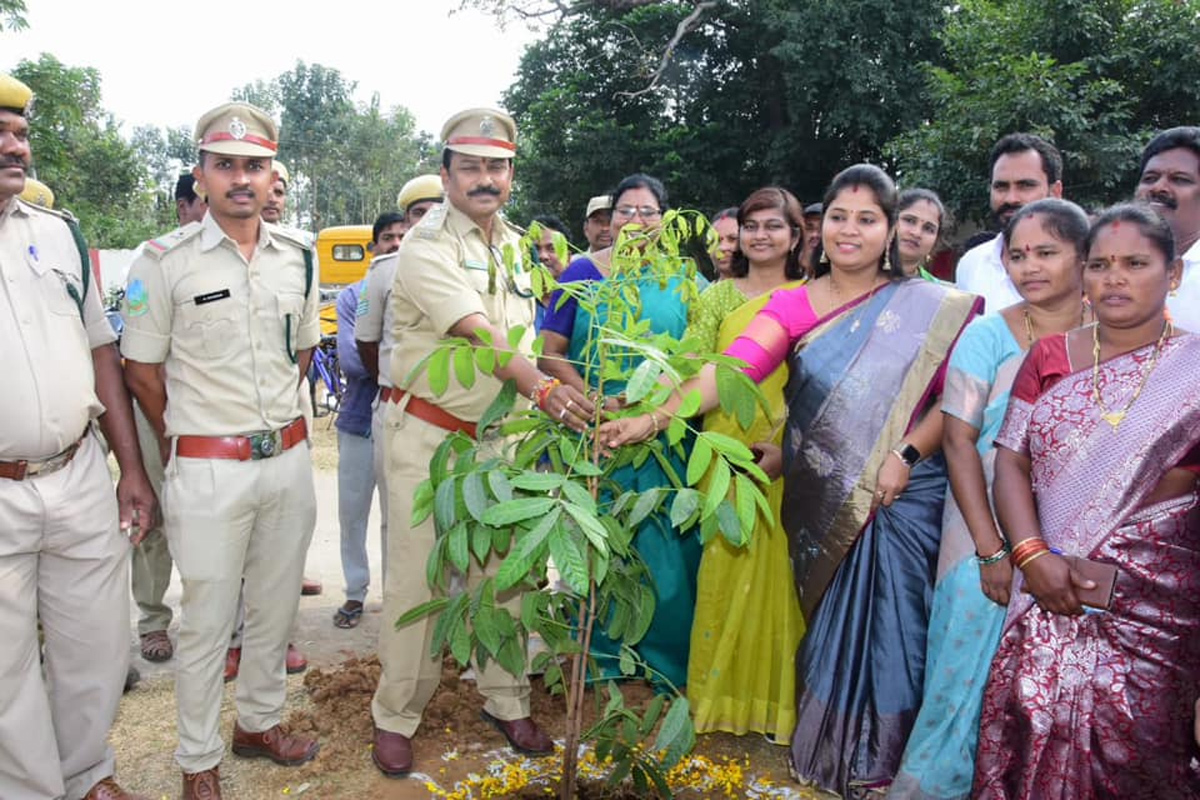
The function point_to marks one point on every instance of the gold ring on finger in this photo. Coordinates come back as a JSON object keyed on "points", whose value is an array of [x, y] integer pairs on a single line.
{"points": [[562, 414]]}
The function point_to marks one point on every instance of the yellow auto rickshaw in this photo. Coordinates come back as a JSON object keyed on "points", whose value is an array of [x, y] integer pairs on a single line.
{"points": [[343, 255]]}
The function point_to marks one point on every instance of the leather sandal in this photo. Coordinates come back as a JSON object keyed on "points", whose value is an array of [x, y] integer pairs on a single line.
{"points": [[157, 647]]}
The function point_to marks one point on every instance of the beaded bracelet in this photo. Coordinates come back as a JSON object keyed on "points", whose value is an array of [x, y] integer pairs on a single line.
{"points": [[995, 558]]}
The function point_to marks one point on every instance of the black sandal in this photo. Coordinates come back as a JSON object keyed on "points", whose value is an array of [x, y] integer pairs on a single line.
{"points": [[348, 616]]}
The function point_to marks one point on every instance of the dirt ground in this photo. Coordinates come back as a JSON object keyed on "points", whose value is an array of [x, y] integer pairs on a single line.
{"points": [[333, 700]]}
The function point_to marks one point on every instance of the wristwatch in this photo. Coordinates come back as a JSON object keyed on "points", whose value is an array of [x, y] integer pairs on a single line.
{"points": [[907, 454]]}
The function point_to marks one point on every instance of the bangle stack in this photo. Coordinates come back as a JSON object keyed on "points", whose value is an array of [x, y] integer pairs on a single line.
{"points": [[995, 558], [654, 422], [542, 390], [1028, 550]]}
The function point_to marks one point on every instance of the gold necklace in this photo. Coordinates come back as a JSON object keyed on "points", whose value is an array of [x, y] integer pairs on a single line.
{"points": [[1029, 321], [1115, 418], [862, 306]]}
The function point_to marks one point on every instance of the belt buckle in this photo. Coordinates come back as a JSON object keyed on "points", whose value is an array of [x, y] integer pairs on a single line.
{"points": [[265, 445]]}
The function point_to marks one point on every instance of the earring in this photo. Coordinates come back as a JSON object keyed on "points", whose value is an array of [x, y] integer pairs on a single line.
{"points": [[887, 261], [824, 257]]}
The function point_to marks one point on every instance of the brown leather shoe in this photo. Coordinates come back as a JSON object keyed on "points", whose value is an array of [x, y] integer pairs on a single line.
{"points": [[310, 586], [523, 735], [233, 661], [204, 785], [276, 744], [108, 789], [294, 661], [392, 753]]}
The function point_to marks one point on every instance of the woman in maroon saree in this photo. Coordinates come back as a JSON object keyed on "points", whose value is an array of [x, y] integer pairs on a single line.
{"points": [[1098, 459]]}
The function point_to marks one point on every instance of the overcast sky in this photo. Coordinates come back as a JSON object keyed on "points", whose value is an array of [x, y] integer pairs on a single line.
{"points": [[166, 63]]}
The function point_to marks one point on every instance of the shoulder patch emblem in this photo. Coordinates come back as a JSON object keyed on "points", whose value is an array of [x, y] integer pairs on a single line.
{"points": [[136, 298]]}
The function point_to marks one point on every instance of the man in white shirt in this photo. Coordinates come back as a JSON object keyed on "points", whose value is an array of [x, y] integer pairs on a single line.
{"points": [[1024, 168], [1170, 182]]}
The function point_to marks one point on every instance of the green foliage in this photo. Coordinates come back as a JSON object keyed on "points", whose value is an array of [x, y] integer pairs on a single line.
{"points": [[78, 151], [1096, 77], [766, 92], [12, 15], [528, 494]]}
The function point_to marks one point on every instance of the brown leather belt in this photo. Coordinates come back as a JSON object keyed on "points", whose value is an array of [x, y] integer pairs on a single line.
{"points": [[253, 447], [423, 409], [20, 470]]}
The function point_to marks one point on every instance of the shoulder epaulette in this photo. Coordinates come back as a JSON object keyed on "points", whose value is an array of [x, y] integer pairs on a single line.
{"points": [[433, 221], [168, 242], [292, 235], [383, 259]]}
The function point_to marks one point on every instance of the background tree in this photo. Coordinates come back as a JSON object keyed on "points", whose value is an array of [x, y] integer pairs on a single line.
{"points": [[754, 93], [347, 161], [166, 154], [79, 152], [1097, 77], [12, 15]]}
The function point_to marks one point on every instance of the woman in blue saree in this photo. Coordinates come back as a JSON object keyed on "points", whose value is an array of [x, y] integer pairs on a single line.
{"points": [[571, 332], [863, 488]]}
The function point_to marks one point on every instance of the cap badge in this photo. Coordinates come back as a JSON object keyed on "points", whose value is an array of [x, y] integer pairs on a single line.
{"points": [[237, 128], [487, 126]]}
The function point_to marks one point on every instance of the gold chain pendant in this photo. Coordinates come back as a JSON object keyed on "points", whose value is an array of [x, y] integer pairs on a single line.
{"points": [[1114, 418]]}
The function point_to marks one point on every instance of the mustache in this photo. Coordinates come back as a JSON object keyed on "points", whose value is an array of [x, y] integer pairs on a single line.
{"points": [[492, 190], [1163, 199], [1007, 209], [13, 161], [239, 193]]}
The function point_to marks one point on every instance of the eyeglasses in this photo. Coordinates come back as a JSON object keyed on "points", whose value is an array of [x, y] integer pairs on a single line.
{"points": [[629, 212]]}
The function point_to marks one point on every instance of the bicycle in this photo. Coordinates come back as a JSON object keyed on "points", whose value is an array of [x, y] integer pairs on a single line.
{"points": [[326, 372]]}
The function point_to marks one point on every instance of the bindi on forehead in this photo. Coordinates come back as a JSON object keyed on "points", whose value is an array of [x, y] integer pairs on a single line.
{"points": [[1116, 226]]}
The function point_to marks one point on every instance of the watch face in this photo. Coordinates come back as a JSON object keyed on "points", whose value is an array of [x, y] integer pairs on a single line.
{"points": [[910, 454]]}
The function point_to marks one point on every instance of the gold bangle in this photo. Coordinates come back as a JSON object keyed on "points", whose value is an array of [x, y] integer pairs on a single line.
{"points": [[654, 422], [1032, 558]]}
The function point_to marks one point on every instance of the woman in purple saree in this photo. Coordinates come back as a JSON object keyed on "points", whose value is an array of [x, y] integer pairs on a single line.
{"points": [[1098, 459]]}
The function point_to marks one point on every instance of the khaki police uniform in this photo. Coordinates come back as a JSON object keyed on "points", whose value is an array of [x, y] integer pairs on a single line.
{"points": [[63, 559], [151, 563], [374, 324], [441, 278], [227, 331]]}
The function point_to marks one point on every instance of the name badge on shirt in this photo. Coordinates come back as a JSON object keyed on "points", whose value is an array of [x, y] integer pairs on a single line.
{"points": [[211, 297]]}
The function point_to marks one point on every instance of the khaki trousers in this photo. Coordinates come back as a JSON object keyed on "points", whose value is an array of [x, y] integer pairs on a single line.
{"points": [[410, 676], [151, 566], [379, 441], [63, 560], [228, 520]]}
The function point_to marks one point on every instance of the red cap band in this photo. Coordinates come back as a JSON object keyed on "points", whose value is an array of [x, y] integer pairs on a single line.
{"points": [[251, 138], [484, 141]]}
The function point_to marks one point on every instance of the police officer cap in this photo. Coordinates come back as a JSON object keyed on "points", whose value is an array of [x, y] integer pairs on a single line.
{"points": [[37, 193], [420, 189], [14, 95], [237, 129], [814, 210], [483, 132], [281, 172], [601, 202]]}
